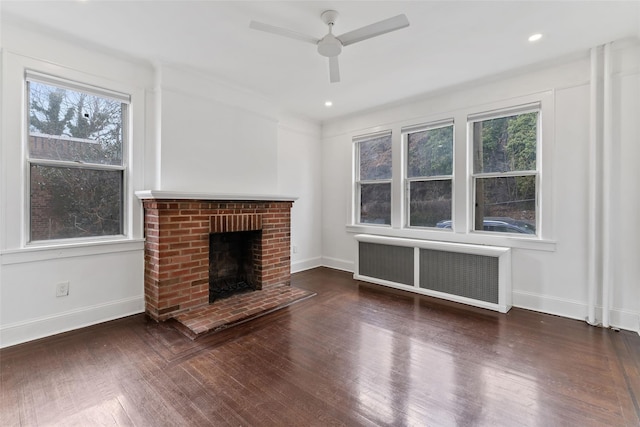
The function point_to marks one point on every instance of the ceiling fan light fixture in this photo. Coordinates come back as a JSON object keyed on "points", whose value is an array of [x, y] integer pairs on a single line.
{"points": [[329, 46]]}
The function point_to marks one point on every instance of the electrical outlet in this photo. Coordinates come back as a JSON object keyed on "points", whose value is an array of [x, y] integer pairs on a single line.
{"points": [[62, 289], [295, 249]]}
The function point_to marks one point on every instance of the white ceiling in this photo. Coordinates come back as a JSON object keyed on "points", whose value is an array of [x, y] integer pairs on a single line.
{"points": [[448, 42]]}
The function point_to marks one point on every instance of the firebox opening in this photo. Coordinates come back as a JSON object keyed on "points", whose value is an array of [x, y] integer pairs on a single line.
{"points": [[231, 263]]}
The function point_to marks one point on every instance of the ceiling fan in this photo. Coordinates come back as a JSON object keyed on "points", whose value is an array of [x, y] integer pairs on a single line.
{"points": [[330, 45]]}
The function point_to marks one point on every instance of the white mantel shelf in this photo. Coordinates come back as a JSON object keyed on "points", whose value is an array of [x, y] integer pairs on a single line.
{"points": [[185, 195]]}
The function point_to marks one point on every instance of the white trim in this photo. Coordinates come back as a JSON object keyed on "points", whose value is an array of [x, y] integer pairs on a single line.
{"points": [[573, 309], [438, 124], [607, 186], [35, 76], [75, 164], [184, 195], [306, 264], [374, 135], [448, 236], [69, 250], [593, 238], [20, 332], [494, 251], [505, 112], [338, 264], [551, 305]]}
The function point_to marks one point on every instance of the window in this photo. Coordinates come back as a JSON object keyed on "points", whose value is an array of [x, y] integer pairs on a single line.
{"points": [[373, 179], [479, 174], [505, 173], [429, 179], [76, 159]]}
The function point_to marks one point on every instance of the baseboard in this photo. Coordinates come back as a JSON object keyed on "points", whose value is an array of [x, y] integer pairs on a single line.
{"points": [[338, 264], [625, 319], [619, 318], [306, 264], [20, 332]]}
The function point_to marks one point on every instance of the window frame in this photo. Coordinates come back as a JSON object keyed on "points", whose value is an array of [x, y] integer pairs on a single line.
{"points": [[405, 132], [474, 176], [78, 86], [358, 183]]}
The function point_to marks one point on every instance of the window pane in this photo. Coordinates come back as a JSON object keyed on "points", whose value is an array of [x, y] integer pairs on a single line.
{"points": [[375, 203], [430, 152], [430, 203], [74, 202], [74, 126], [375, 158], [505, 144], [506, 204]]}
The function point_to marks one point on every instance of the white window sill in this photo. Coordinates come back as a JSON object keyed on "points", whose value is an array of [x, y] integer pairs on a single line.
{"points": [[48, 251], [497, 239]]}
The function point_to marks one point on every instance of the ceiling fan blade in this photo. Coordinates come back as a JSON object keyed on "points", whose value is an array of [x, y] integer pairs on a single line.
{"points": [[282, 32], [334, 69], [373, 30]]}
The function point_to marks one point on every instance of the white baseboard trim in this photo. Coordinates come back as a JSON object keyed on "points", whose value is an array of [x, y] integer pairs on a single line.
{"points": [[619, 318], [625, 319], [29, 330], [338, 264], [306, 264], [545, 304]]}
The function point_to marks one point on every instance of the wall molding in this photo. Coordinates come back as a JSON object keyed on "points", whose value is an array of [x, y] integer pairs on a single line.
{"points": [[306, 264], [69, 250], [572, 309], [339, 264], [32, 329]]}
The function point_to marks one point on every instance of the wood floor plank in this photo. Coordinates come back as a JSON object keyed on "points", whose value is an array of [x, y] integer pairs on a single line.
{"points": [[355, 355]]}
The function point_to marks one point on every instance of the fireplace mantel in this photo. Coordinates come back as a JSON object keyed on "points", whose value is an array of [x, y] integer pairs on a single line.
{"points": [[186, 195]]}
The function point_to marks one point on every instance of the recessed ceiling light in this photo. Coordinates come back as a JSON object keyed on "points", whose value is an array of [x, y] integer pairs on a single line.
{"points": [[328, 103], [535, 37]]}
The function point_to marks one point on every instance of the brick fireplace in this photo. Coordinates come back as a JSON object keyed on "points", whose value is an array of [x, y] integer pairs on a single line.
{"points": [[178, 228]]}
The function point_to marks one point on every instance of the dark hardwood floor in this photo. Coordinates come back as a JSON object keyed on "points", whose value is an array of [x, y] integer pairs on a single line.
{"points": [[355, 354]]}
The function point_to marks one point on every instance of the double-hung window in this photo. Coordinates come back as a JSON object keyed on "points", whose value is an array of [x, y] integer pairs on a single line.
{"points": [[373, 178], [505, 170], [429, 174], [76, 159]]}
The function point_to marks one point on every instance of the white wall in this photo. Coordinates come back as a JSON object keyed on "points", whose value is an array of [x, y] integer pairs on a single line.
{"points": [[299, 171], [215, 138], [550, 275], [105, 278]]}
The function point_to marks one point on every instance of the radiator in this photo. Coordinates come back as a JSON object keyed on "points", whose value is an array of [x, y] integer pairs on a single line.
{"points": [[471, 274]]}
